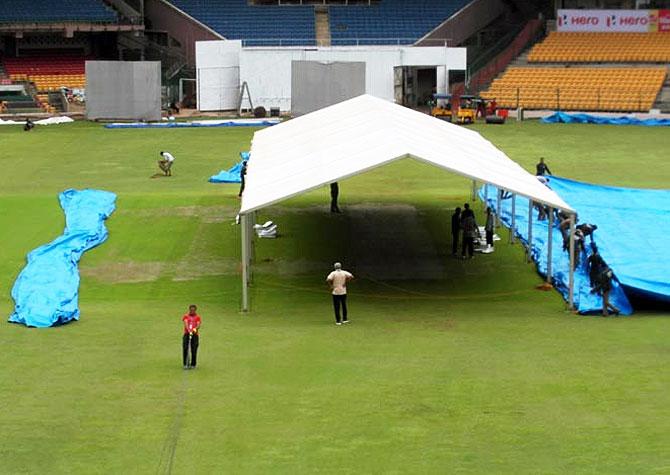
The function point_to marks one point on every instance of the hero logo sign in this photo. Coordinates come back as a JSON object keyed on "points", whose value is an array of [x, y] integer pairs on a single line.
{"points": [[639, 21], [663, 24]]}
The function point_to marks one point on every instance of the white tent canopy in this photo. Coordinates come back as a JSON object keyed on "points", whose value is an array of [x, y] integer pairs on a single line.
{"points": [[357, 135], [360, 134]]}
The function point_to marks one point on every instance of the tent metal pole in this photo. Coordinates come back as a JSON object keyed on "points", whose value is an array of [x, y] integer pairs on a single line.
{"points": [[252, 246], [474, 190], [571, 296], [550, 244], [244, 228], [498, 207], [486, 194], [512, 235], [530, 231]]}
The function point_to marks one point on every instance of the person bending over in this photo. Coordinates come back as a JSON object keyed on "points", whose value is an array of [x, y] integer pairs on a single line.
{"points": [[191, 337], [601, 277], [338, 280], [165, 163]]}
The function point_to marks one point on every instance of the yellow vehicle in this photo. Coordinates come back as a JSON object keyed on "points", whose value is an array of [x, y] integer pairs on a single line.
{"points": [[467, 110], [440, 107]]}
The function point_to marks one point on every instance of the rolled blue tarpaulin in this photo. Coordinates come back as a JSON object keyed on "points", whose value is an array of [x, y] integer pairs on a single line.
{"points": [[46, 292], [564, 118], [232, 175]]}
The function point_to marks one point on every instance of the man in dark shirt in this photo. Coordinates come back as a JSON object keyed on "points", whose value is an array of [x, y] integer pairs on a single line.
{"points": [[470, 230], [541, 168], [455, 230], [243, 174], [334, 193]]}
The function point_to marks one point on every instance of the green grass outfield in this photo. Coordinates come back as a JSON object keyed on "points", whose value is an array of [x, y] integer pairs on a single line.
{"points": [[473, 371]]}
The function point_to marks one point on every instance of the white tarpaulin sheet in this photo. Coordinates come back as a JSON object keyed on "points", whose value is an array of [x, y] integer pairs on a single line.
{"points": [[363, 133]]}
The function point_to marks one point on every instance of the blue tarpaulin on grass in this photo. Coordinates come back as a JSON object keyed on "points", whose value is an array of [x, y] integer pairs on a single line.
{"points": [[46, 292], [232, 175], [200, 123], [633, 235], [562, 117]]}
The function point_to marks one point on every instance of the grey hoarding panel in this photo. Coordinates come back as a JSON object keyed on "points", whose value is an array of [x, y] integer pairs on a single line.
{"points": [[315, 85], [123, 90]]}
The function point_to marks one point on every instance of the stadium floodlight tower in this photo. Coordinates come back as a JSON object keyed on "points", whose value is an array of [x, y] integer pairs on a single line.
{"points": [[363, 133]]}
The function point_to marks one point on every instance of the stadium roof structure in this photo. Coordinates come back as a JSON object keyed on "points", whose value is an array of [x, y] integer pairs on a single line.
{"points": [[363, 133], [358, 135]]}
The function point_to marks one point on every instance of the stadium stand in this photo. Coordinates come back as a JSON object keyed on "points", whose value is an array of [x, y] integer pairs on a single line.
{"points": [[389, 21], [257, 25], [45, 11], [572, 47], [49, 73], [587, 89]]}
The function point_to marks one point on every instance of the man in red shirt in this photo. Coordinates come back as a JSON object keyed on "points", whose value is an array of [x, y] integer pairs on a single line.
{"points": [[191, 336]]}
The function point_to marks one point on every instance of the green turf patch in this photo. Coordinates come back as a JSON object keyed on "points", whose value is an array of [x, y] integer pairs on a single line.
{"points": [[447, 366]]}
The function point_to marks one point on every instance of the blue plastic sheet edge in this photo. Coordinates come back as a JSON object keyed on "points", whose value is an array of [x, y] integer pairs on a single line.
{"points": [[176, 125], [46, 292], [585, 301], [565, 118], [232, 175]]}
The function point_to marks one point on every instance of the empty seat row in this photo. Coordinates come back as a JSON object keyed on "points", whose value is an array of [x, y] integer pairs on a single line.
{"points": [[389, 21], [578, 47], [237, 19], [44, 11], [589, 89]]}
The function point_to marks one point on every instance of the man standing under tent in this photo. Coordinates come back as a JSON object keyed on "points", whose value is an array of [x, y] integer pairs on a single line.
{"points": [[334, 194], [165, 163], [488, 227], [191, 337], [470, 230], [455, 230], [541, 168], [338, 283]]}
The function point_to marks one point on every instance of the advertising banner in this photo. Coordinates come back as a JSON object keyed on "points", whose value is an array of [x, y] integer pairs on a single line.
{"points": [[627, 21]]}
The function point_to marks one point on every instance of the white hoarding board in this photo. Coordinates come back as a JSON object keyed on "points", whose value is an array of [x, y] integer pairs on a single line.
{"points": [[631, 21]]}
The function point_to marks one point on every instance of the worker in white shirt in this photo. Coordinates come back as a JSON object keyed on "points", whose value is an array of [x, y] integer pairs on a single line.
{"points": [[338, 283], [165, 163]]}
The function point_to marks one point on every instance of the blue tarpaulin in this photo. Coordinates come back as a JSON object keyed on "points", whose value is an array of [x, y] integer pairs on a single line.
{"points": [[46, 292], [232, 175], [562, 117], [632, 236], [201, 123]]}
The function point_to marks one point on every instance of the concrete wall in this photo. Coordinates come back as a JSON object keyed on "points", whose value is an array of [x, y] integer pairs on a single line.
{"points": [[182, 27], [464, 23], [268, 70]]}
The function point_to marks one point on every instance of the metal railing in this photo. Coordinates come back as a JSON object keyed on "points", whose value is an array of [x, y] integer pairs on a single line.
{"points": [[316, 42], [482, 71], [625, 99]]}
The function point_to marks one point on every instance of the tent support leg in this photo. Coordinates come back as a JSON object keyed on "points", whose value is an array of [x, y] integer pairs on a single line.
{"points": [[550, 244], [486, 194], [512, 234], [498, 207], [571, 294], [244, 227], [474, 190], [530, 231]]}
